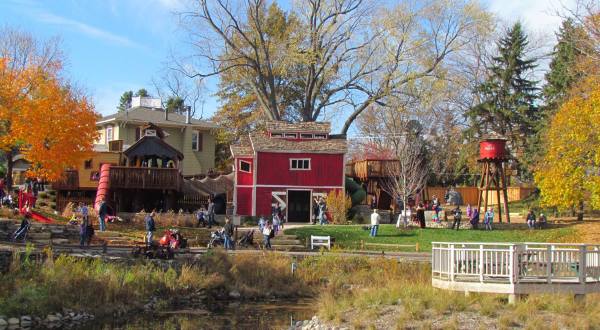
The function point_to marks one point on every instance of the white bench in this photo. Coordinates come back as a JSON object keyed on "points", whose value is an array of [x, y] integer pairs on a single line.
{"points": [[320, 241]]}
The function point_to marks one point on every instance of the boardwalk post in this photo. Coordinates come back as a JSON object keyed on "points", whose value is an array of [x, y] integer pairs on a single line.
{"points": [[549, 263], [582, 264], [481, 263], [451, 268]]}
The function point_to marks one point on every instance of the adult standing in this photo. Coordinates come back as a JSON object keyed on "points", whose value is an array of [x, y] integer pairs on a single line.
{"points": [[150, 227], [375, 219], [228, 233], [531, 219], [488, 218], [211, 212], [322, 211], [457, 217], [102, 213], [421, 215], [267, 232], [315, 209]]}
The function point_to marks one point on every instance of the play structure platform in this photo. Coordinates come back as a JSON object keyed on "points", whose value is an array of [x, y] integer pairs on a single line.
{"points": [[516, 269]]}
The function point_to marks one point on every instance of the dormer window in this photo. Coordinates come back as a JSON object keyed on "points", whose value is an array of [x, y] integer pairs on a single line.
{"points": [[306, 136], [291, 135], [321, 136]]}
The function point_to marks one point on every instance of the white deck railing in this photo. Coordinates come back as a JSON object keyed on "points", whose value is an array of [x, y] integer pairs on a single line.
{"points": [[516, 262]]}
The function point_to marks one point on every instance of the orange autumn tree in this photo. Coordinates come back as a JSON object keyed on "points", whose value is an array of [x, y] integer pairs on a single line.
{"points": [[43, 117]]}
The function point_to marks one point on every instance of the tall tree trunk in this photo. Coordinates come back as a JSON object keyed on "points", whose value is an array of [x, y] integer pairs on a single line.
{"points": [[9, 169], [580, 211]]}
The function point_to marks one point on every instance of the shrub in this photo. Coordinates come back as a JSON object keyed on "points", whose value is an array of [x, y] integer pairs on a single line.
{"points": [[250, 221], [337, 205], [42, 195], [41, 204]]}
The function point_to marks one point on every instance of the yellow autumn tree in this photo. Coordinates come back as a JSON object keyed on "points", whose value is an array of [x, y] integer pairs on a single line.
{"points": [[338, 204], [42, 116], [569, 174]]}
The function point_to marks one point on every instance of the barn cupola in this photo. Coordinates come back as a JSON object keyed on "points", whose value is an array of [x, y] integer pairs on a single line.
{"points": [[298, 131]]}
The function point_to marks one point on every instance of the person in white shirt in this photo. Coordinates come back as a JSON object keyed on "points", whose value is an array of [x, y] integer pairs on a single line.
{"points": [[375, 218]]}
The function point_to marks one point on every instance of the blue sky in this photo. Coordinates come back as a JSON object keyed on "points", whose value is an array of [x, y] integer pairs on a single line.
{"points": [[118, 45]]}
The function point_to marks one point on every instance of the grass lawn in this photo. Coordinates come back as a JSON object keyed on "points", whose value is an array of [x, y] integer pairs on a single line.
{"points": [[349, 236]]}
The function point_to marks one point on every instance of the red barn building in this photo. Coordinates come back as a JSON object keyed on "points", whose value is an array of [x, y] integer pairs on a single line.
{"points": [[289, 164]]}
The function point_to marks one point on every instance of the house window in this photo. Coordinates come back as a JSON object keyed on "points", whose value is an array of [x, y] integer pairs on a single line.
{"points": [[87, 164], [276, 135], [109, 134], [196, 141], [320, 136], [245, 166], [138, 133], [306, 136], [291, 135], [299, 164]]}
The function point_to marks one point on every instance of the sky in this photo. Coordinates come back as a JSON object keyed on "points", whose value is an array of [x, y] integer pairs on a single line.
{"points": [[117, 45]]}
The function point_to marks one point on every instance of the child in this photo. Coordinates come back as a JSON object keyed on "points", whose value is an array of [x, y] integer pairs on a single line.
{"points": [[435, 218]]}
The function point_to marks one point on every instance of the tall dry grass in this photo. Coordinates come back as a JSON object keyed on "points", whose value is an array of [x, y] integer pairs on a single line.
{"points": [[357, 289], [37, 288]]}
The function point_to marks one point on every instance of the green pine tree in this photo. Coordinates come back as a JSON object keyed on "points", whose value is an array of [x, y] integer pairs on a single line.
{"points": [[509, 97], [125, 101], [563, 67]]}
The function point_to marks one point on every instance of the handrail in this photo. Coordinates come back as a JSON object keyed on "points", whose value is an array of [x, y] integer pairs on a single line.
{"points": [[516, 262]]}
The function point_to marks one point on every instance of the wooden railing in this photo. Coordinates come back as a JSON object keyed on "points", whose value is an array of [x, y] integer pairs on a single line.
{"points": [[145, 178], [364, 169], [516, 263], [69, 181]]}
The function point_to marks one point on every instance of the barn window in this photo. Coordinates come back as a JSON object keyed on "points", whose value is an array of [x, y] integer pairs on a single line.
{"points": [[300, 164], [291, 135], [245, 166], [276, 135], [320, 136], [306, 136]]}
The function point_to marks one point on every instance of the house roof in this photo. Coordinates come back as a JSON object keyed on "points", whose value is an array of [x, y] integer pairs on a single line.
{"points": [[262, 142], [242, 148], [152, 146], [284, 126], [144, 115]]}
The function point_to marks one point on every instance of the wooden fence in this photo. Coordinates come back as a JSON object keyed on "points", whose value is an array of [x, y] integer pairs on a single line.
{"points": [[470, 194]]}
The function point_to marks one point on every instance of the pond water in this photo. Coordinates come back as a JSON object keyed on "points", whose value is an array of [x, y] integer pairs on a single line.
{"points": [[272, 315]]}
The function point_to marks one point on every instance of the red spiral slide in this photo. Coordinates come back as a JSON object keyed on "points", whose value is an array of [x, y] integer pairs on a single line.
{"points": [[27, 199], [103, 186]]}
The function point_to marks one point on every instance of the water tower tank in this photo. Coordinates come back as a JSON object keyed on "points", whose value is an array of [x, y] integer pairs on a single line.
{"points": [[492, 149]]}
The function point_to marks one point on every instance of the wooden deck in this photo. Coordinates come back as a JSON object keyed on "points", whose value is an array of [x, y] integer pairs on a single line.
{"points": [[516, 268], [122, 177]]}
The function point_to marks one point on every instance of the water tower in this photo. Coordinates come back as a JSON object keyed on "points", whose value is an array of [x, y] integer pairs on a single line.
{"points": [[492, 156]]}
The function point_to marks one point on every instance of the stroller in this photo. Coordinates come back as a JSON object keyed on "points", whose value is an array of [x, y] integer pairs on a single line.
{"points": [[173, 239], [217, 238], [247, 239], [21, 233]]}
